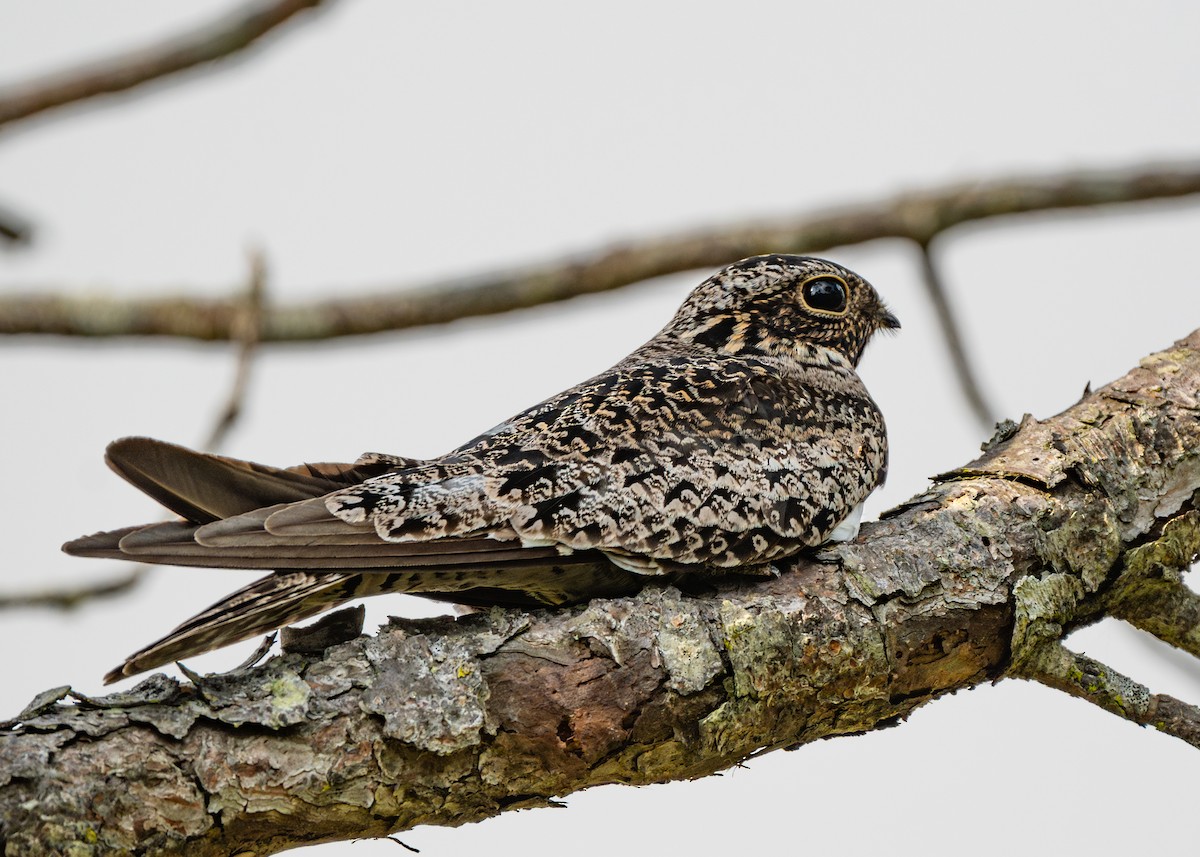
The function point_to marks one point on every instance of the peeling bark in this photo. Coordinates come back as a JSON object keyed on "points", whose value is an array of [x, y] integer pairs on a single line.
{"points": [[1089, 514]]}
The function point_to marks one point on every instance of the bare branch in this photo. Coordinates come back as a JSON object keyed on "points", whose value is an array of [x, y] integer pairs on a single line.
{"points": [[968, 380], [915, 216], [248, 325], [218, 40], [447, 721], [14, 228], [71, 598], [1086, 678]]}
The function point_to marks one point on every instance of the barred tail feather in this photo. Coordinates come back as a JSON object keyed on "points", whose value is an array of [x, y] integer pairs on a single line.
{"points": [[266, 604]]}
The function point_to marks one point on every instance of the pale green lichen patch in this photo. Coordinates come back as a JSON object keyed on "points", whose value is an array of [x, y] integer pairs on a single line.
{"points": [[429, 691], [797, 665], [1043, 606], [285, 702], [1086, 544], [685, 645], [754, 642], [1171, 553], [429, 688], [759, 649]]}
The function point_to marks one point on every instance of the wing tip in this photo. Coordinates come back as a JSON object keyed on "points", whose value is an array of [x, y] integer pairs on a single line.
{"points": [[117, 673], [309, 517], [104, 544]]}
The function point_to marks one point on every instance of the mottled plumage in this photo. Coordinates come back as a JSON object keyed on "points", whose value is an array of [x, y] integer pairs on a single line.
{"points": [[738, 435]]}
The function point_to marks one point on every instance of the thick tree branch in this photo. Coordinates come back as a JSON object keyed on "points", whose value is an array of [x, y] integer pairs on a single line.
{"points": [[1168, 610], [447, 721], [220, 39], [916, 216]]}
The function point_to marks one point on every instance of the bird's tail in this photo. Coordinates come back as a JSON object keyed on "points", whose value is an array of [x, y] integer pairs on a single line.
{"points": [[286, 597], [266, 604]]}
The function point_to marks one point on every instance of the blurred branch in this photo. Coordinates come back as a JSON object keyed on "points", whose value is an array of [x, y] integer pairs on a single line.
{"points": [[13, 228], [916, 216], [968, 380], [446, 721], [70, 598], [248, 325], [218, 40], [248, 328]]}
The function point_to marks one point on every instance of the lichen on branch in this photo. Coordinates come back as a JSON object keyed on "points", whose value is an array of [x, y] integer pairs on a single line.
{"points": [[1091, 513]]}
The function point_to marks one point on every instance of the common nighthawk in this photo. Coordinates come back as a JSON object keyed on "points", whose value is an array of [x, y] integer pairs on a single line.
{"points": [[739, 435]]}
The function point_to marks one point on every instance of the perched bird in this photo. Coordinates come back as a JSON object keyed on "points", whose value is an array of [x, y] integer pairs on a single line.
{"points": [[740, 434]]}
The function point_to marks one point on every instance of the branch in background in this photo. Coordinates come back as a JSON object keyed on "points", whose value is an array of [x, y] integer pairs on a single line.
{"points": [[447, 721], [218, 40], [14, 229], [249, 330], [918, 217], [248, 327], [968, 380], [69, 599]]}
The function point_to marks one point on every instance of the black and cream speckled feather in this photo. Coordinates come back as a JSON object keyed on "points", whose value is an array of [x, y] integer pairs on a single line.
{"points": [[738, 435]]}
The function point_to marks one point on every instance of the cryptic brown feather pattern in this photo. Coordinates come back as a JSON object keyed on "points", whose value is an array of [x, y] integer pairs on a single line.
{"points": [[738, 435]]}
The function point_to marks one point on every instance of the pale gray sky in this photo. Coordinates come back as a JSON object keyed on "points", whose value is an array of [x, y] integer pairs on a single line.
{"points": [[389, 142]]}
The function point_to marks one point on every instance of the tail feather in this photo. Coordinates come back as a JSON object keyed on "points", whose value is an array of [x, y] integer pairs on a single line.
{"points": [[266, 604], [238, 514], [287, 597], [202, 487]]}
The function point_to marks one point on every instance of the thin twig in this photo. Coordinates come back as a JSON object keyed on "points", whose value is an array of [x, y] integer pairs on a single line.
{"points": [[264, 648], [1086, 678], [69, 599], [217, 40], [248, 326], [13, 228], [916, 216], [968, 380]]}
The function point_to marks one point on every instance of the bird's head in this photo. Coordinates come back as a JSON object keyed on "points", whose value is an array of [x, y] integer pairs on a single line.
{"points": [[771, 304]]}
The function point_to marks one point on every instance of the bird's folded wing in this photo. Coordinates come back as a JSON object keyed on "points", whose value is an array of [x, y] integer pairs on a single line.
{"points": [[239, 514], [202, 487]]}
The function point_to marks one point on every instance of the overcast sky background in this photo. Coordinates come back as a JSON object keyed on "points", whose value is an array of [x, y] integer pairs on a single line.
{"points": [[391, 142]]}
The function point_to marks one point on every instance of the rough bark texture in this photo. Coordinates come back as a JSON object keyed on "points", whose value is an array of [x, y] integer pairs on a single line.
{"points": [[1091, 513]]}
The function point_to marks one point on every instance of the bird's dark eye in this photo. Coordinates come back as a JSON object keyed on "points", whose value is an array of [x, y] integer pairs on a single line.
{"points": [[825, 294]]}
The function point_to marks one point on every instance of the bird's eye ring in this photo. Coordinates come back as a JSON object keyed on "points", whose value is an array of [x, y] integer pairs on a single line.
{"points": [[825, 295]]}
